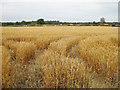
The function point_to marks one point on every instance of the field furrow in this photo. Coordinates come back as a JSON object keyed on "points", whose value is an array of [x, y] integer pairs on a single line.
{"points": [[65, 44]]}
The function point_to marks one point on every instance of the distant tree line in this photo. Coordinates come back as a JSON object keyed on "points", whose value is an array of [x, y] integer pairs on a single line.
{"points": [[41, 22]]}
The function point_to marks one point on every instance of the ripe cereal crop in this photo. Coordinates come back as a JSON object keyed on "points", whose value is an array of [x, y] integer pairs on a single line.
{"points": [[60, 57]]}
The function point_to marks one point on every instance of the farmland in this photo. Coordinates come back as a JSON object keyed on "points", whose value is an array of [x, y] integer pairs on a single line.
{"points": [[60, 57]]}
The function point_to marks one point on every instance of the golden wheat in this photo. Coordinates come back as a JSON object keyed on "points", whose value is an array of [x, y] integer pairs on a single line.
{"points": [[59, 71], [63, 45], [102, 54], [60, 57], [7, 79]]}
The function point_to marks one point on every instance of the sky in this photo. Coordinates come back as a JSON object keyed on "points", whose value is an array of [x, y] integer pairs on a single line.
{"points": [[62, 10]]}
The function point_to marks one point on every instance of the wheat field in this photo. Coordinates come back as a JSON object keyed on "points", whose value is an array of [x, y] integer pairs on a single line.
{"points": [[60, 57]]}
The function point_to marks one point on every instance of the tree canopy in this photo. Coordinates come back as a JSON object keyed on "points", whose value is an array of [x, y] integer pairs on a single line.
{"points": [[40, 21]]}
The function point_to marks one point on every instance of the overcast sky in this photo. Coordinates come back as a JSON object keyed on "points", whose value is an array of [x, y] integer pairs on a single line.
{"points": [[62, 10]]}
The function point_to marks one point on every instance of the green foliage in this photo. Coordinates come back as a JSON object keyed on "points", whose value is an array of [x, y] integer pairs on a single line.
{"points": [[23, 23], [52, 22], [40, 21]]}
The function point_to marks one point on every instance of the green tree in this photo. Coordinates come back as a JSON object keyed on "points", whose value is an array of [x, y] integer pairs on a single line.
{"points": [[95, 23], [23, 23], [17, 23], [40, 21]]}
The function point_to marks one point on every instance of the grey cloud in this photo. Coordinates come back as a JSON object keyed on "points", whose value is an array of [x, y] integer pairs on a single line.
{"points": [[63, 11]]}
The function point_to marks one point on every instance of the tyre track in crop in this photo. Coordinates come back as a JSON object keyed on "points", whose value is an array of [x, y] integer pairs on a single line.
{"points": [[74, 45], [38, 73], [37, 58], [73, 51], [39, 52], [30, 73], [65, 44], [97, 82]]}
